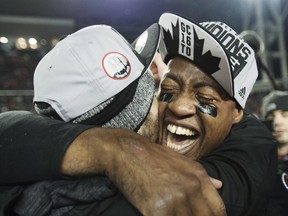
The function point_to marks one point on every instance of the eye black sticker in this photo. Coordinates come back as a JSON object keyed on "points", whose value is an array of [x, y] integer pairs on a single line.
{"points": [[207, 109]]}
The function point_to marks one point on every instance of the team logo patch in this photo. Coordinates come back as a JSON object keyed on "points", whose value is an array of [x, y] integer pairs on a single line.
{"points": [[284, 178], [116, 65]]}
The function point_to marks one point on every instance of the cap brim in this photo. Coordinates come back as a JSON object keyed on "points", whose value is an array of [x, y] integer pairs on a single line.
{"points": [[146, 44]]}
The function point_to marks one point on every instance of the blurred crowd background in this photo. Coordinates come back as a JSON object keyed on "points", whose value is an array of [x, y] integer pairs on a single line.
{"points": [[29, 29]]}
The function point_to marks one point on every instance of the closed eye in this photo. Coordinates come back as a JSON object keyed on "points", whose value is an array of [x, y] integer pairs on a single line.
{"points": [[206, 100]]}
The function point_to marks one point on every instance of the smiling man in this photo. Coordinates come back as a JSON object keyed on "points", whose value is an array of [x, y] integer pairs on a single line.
{"points": [[196, 127], [211, 72]]}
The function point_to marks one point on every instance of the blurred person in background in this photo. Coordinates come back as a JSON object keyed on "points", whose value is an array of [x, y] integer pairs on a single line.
{"points": [[275, 116], [275, 113]]}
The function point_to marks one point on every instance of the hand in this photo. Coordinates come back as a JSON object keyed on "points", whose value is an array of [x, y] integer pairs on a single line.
{"points": [[155, 179]]}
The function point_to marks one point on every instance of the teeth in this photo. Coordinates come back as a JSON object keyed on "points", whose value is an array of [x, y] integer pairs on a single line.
{"points": [[173, 146], [180, 130], [173, 129]]}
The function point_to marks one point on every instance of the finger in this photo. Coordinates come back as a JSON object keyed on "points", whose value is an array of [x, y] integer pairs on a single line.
{"points": [[217, 183], [214, 200]]}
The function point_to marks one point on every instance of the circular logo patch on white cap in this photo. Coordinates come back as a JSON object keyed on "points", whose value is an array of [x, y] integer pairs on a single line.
{"points": [[116, 65]]}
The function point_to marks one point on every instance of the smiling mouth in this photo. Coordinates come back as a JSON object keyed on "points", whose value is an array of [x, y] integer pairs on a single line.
{"points": [[180, 139]]}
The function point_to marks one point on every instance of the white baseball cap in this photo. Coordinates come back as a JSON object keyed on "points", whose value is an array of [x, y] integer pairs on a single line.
{"points": [[95, 76], [215, 48]]}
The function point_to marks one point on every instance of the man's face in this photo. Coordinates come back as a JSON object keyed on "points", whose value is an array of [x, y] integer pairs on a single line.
{"points": [[195, 114], [149, 128], [279, 120]]}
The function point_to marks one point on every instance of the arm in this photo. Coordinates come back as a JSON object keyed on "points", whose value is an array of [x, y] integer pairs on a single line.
{"points": [[155, 179], [32, 146]]}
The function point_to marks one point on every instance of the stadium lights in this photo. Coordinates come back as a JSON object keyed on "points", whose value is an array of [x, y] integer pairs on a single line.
{"points": [[4, 40]]}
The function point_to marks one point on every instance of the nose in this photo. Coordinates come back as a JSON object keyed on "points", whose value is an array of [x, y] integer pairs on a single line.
{"points": [[184, 105]]}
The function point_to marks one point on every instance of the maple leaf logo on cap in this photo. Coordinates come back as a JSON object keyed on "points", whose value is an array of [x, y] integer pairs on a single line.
{"points": [[200, 58]]}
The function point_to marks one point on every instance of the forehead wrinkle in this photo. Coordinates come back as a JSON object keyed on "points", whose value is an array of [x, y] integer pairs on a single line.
{"points": [[171, 75], [179, 64], [194, 84], [203, 79], [174, 77]]}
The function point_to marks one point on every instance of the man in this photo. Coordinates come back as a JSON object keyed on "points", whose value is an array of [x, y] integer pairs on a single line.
{"points": [[91, 77], [94, 77], [275, 115], [275, 111], [211, 72], [173, 184]]}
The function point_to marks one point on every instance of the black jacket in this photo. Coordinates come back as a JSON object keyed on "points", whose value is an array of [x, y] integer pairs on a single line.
{"points": [[31, 152]]}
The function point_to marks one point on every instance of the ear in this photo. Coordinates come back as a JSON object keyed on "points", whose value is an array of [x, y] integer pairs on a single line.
{"points": [[237, 115]]}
